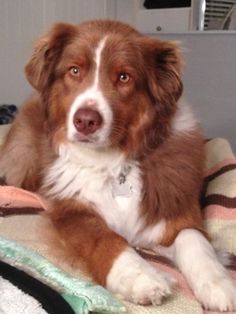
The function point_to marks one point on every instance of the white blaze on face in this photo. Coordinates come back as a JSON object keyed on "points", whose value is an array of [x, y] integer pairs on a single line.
{"points": [[94, 93]]}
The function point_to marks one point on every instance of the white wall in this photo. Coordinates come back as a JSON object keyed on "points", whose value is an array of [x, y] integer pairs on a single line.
{"points": [[210, 80], [210, 73]]}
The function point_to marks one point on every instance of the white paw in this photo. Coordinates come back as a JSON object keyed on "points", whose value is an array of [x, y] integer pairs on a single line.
{"points": [[135, 280], [146, 288], [218, 294], [210, 281]]}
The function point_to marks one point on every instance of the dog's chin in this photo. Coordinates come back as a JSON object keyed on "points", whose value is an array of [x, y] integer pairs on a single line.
{"points": [[91, 141]]}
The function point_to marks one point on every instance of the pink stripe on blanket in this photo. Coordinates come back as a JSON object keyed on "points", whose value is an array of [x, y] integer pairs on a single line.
{"points": [[15, 197], [214, 312], [219, 165], [219, 212]]}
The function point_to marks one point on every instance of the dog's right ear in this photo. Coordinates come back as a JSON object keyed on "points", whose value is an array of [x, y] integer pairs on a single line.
{"points": [[47, 51]]}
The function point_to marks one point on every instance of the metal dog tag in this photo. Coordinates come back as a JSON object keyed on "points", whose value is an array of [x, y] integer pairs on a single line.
{"points": [[124, 189]]}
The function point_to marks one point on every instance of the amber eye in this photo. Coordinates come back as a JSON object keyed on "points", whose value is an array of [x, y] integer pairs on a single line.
{"points": [[74, 71], [124, 78]]}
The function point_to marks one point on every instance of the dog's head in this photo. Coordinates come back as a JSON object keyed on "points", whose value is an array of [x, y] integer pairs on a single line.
{"points": [[106, 85]]}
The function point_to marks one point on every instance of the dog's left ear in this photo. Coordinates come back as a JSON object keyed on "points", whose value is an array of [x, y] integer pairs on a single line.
{"points": [[164, 62], [47, 51]]}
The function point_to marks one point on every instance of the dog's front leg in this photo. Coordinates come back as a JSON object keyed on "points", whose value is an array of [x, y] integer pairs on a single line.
{"points": [[197, 260], [107, 255]]}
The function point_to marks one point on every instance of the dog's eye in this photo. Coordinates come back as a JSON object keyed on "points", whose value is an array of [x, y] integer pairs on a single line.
{"points": [[124, 78], [74, 71]]}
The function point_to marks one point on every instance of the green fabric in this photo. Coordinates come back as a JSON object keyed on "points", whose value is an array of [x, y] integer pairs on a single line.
{"points": [[76, 303], [82, 295]]}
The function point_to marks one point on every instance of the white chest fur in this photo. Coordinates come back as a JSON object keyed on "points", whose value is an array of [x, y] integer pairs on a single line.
{"points": [[110, 183]]}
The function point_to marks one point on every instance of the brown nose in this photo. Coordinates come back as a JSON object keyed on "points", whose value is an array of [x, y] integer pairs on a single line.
{"points": [[87, 120]]}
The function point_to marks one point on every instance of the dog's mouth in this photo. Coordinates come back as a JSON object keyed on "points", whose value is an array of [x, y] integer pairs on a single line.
{"points": [[83, 138], [90, 139]]}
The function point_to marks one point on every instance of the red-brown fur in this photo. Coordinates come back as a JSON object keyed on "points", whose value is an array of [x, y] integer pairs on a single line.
{"points": [[172, 165], [87, 235], [167, 189]]}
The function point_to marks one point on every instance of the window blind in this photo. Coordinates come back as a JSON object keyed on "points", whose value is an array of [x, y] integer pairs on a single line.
{"points": [[216, 13]]}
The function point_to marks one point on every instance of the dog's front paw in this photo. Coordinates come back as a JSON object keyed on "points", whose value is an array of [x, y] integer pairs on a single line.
{"points": [[146, 288], [218, 294], [135, 280]]}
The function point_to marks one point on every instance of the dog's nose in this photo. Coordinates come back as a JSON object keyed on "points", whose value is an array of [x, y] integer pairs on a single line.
{"points": [[87, 120]]}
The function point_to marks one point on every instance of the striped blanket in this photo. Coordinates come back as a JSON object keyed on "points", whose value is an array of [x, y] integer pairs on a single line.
{"points": [[219, 200], [219, 211]]}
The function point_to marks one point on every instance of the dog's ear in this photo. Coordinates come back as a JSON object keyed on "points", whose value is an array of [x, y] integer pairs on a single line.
{"points": [[46, 53], [164, 64]]}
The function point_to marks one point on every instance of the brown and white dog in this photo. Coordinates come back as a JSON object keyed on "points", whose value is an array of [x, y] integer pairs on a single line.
{"points": [[108, 141]]}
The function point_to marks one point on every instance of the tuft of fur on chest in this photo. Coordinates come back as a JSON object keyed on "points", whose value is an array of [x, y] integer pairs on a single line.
{"points": [[104, 179], [84, 172]]}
